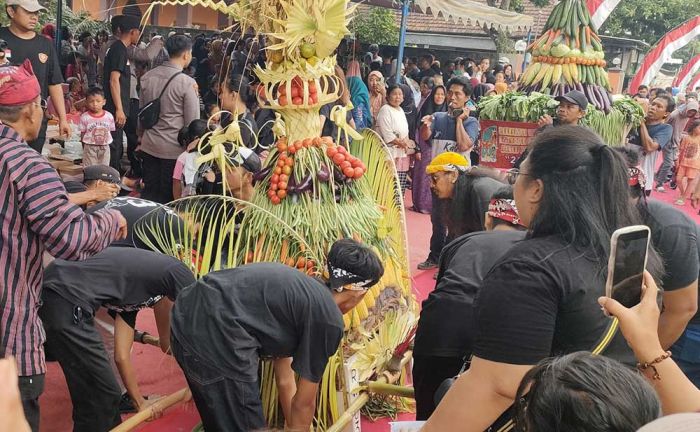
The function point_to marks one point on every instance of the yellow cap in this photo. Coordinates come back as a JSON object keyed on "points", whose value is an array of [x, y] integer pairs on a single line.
{"points": [[448, 161]]}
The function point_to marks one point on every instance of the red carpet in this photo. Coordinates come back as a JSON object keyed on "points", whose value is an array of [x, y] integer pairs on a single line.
{"points": [[159, 374]]}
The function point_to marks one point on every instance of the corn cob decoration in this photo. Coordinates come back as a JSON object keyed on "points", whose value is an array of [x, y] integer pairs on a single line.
{"points": [[569, 56], [312, 191]]}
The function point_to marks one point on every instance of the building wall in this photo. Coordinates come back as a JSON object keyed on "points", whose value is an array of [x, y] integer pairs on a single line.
{"points": [[167, 16]]}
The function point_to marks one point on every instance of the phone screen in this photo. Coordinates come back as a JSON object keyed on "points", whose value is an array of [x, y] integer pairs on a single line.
{"points": [[628, 274]]}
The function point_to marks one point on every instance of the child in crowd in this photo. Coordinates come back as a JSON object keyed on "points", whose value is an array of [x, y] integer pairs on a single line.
{"points": [[95, 127], [212, 111], [185, 167], [688, 170]]}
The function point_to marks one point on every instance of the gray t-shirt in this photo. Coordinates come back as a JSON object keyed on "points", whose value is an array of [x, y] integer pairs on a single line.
{"points": [[444, 137]]}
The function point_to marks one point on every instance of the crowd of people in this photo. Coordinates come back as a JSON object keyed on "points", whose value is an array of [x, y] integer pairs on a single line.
{"points": [[507, 335]]}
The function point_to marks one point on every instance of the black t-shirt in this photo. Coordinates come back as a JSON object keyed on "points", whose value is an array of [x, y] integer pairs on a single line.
{"points": [[446, 325], [117, 60], [540, 300], [231, 317], [120, 279], [676, 238], [140, 212], [249, 129], [40, 52]]}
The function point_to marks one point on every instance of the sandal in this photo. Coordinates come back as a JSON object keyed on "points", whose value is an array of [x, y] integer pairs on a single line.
{"points": [[680, 202]]}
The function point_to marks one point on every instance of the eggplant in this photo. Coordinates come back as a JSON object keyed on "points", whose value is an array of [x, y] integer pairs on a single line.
{"points": [[324, 174], [305, 184], [338, 176], [292, 187], [603, 97], [260, 175]]}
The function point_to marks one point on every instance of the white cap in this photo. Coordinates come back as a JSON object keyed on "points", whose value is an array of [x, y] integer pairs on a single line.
{"points": [[504, 60], [28, 5]]}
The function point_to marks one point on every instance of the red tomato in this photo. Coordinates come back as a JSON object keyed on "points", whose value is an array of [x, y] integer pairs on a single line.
{"points": [[282, 186], [282, 147], [271, 193], [277, 170], [345, 164], [297, 100], [284, 177], [331, 151], [282, 100], [316, 141], [359, 172], [349, 172], [296, 81], [355, 162], [342, 150], [289, 162], [307, 143], [282, 89], [274, 186], [275, 200], [313, 99], [312, 87], [327, 140], [338, 158], [292, 149], [249, 256], [287, 170], [275, 178], [281, 193], [296, 92], [261, 91], [301, 262], [280, 162]]}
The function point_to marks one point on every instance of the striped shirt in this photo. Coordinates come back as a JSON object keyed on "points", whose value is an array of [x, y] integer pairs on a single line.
{"points": [[35, 216]]}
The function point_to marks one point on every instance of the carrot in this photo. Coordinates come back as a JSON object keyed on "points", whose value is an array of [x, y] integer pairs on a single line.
{"points": [[588, 35], [285, 249], [550, 41], [595, 36], [258, 246], [577, 42], [568, 41]]}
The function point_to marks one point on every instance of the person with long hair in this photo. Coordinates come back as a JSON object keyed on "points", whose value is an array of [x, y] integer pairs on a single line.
{"points": [[540, 300], [420, 187], [359, 96], [234, 97], [377, 93], [445, 331]]}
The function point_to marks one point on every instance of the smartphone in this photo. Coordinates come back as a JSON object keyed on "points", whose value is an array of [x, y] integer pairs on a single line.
{"points": [[628, 259], [457, 112]]}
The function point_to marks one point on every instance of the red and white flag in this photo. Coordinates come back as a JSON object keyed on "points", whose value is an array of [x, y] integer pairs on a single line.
{"points": [[663, 50], [694, 83], [600, 10], [688, 71]]}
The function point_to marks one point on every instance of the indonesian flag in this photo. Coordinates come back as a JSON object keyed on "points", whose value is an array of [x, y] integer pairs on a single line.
{"points": [[662, 52], [694, 83], [687, 73], [600, 10]]}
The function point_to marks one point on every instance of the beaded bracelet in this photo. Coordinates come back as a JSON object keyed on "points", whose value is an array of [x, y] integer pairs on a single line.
{"points": [[644, 366]]}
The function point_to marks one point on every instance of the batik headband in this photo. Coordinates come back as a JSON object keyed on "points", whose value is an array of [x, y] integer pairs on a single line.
{"points": [[340, 278], [504, 209]]}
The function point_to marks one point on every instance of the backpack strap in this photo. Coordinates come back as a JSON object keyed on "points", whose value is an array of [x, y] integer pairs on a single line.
{"points": [[162, 92]]}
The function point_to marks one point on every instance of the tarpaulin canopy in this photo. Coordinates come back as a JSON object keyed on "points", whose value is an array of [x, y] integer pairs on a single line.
{"points": [[468, 11], [475, 13]]}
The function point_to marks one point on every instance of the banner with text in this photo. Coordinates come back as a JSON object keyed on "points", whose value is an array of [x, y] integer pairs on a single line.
{"points": [[502, 142]]}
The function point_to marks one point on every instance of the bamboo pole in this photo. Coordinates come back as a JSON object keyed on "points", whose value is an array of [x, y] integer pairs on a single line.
{"points": [[142, 416], [357, 404], [391, 389]]}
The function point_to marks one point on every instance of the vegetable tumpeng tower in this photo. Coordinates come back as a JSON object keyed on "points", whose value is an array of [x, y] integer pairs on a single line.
{"points": [[314, 190]]}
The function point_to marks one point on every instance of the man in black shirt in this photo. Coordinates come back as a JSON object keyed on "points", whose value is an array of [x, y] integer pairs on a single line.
{"points": [[123, 280], [445, 332], [24, 43], [228, 320], [117, 81]]}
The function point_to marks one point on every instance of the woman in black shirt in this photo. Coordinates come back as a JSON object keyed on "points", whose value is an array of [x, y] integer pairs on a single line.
{"points": [[540, 299]]}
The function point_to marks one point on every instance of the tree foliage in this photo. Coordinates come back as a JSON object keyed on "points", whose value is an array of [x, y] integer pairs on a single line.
{"points": [[77, 22], [648, 20], [377, 26]]}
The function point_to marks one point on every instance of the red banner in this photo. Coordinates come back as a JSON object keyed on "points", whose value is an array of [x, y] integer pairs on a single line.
{"points": [[502, 142]]}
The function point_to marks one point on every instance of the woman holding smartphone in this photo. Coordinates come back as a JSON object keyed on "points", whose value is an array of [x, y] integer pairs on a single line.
{"points": [[540, 299]]}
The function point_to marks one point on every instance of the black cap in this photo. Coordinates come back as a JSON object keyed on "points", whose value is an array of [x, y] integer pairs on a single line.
{"points": [[246, 158], [101, 172], [574, 97], [74, 187]]}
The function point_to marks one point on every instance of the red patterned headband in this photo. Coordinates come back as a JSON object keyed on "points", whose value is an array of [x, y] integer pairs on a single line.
{"points": [[636, 177], [504, 209]]}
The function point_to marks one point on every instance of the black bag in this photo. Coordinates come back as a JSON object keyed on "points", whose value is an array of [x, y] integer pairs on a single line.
{"points": [[150, 113]]}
